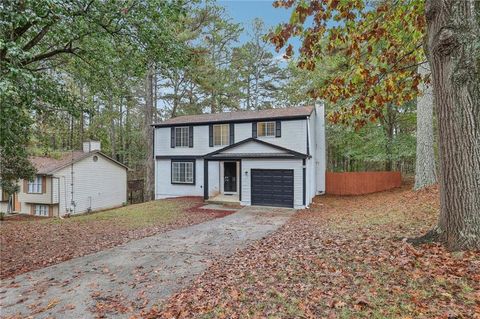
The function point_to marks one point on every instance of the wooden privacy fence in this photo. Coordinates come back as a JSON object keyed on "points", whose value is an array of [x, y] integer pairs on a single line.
{"points": [[357, 183]]}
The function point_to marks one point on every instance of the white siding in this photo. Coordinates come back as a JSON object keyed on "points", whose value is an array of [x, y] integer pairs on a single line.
{"points": [[200, 142], [165, 188], [293, 137], [253, 147], [243, 131], [96, 185], [214, 168], [296, 165]]}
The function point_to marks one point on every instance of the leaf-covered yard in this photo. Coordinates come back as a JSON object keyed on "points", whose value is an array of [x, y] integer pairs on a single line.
{"points": [[29, 243], [342, 258]]}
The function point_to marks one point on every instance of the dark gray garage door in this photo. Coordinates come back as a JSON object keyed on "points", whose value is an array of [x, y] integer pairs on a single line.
{"points": [[272, 187]]}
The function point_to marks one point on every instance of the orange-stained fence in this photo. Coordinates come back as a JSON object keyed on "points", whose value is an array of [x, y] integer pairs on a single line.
{"points": [[357, 183]]}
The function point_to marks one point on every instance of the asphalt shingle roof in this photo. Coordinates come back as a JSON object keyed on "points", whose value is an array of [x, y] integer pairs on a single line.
{"points": [[47, 165], [239, 116]]}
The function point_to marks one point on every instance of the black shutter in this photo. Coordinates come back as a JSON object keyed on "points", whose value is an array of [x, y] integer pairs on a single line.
{"points": [[172, 137], [278, 129], [254, 129], [232, 133], [190, 136], [210, 135]]}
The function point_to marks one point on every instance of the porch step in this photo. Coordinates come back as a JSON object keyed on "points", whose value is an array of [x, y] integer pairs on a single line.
{"points": [[222, 202]]}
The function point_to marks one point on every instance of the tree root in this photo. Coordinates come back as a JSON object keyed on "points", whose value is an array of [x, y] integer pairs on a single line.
{"points": [[432, 236]]}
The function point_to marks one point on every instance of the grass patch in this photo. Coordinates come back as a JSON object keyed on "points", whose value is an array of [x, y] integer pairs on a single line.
{"points": [[132, 216]]}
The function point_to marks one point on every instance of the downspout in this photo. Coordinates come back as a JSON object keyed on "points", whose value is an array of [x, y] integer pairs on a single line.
{"points": [[308, 136], [307, 189]]}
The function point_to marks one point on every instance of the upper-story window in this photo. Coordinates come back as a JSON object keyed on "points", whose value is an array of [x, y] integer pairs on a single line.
{"points": [[221, 133], [266, 128], [181, 136], [35, 186]]}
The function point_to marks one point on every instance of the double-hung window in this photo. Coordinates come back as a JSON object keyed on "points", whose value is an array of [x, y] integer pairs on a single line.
{"points": [[183, 172], [40, 210], [266, 128], [181, 136], [221, 133], [35, 186]]}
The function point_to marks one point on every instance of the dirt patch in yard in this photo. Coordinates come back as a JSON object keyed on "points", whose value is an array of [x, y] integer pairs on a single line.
{"points": [[32, 243], [342, 258]]}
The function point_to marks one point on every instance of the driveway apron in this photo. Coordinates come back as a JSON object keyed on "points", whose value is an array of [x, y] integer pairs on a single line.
{"points": [[119, 282]]}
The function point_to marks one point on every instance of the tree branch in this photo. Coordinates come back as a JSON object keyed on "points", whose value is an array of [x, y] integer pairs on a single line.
{"points": [[66, 49], [33, 42]]}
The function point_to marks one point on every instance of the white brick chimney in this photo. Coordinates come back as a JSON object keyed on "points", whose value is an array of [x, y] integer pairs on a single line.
{"points": [[90, 146]]}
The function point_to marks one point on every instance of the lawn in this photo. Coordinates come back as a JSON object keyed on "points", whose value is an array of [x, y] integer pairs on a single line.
{"points": [[29, 243], [342, 258]]}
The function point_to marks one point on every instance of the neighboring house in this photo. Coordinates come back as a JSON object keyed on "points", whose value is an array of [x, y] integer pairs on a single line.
{"points": [[272, 157], [79, 182]]}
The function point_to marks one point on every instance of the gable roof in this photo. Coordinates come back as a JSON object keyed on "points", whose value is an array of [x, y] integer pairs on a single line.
{"points": [[239, 116], [48, 165], [219, 154]]}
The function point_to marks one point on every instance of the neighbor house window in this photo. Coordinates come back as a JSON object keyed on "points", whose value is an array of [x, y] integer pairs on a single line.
{"points": [[181, 136], [221, 134], [35, 186], [183, 172], [40, 210], [266, 128]]}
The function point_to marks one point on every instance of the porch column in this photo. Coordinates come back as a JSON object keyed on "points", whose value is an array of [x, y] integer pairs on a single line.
{"points": [[205, 179]]}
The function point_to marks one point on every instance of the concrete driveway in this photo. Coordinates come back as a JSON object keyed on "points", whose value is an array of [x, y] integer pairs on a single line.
{"points": [[121, 281]]}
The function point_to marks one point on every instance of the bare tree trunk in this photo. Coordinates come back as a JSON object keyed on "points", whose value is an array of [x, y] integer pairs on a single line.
{"points": [[148, 135], [425, 168], [128, 129], [82, 117], [453, 31], [112, 128], [121, 129]]}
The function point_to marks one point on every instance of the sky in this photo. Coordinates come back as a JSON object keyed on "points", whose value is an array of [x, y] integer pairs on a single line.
{"points": [[244, 11]]}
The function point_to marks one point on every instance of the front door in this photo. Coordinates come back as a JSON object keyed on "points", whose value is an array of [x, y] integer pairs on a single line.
{"points": [[229, 177]]}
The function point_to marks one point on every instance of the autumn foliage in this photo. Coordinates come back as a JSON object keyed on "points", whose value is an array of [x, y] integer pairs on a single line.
{"points": [[376, 52], [344, 257]]}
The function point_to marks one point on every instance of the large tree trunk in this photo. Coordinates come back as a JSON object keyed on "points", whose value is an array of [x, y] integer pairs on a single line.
{"points": [[425, 168], [148, 135], [453, 31]]}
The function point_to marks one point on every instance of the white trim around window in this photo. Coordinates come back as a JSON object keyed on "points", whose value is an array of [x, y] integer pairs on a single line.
{"points": [[221, 134], [183, 172], [35, 186], [41, 210], [181, 136], [266, 129]]}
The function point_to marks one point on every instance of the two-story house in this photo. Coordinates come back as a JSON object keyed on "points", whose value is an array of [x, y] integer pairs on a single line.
{"points": [[273, 157], [77, 182]]}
